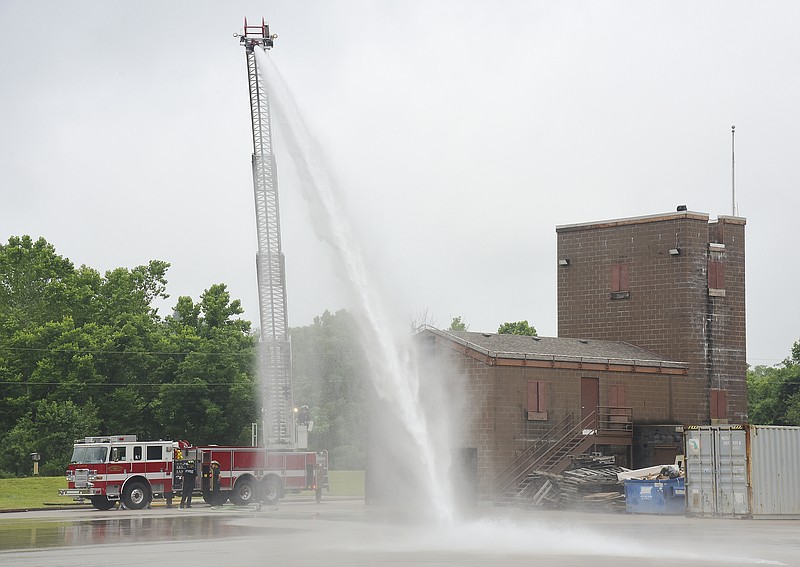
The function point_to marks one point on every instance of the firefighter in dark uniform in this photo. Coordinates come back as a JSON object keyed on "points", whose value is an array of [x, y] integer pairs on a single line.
{"points": [[215, 482], [189, 475]]}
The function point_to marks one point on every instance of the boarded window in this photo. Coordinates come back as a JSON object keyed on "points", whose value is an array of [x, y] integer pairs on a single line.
{"points": [[617, 414], [537, 400], [719, 404], [616, 396], [619, 281], [716, 274]]}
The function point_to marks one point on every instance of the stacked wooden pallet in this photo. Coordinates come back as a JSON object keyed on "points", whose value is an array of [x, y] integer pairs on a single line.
{"points": [[582, 488]]}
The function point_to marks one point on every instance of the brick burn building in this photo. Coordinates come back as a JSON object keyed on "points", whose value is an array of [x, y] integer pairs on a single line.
{"points": [[672, 284], [651, 324]]}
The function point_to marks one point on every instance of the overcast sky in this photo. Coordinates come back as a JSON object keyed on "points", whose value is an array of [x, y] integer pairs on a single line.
{"points": [[461, 134]]}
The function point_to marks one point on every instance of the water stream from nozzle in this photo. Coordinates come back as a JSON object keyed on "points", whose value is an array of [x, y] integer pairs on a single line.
{"points": [[394, 375]]}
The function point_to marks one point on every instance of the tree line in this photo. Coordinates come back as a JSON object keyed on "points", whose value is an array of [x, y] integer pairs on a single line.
{"points": [[773, 392], [84, 353]]}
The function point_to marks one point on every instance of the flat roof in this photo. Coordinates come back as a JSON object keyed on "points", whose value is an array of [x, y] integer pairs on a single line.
{"points": [[661, 217]]}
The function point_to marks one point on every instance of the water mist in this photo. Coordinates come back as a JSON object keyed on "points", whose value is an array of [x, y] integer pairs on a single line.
{"points": [[396, 380], [394, 374]]}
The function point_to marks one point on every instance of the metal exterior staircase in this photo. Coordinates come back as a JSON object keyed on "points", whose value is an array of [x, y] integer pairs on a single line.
{"points": [[554, 452]]}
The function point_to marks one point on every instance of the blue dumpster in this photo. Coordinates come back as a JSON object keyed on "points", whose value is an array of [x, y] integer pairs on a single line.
{"points": [[655, 496]]}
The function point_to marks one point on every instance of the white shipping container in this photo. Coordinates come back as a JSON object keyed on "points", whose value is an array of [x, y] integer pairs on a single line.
{"points": [[774, 471], [716, 471]]}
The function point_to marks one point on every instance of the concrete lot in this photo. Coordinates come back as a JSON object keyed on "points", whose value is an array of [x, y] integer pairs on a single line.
{"points": [[347, 533]]}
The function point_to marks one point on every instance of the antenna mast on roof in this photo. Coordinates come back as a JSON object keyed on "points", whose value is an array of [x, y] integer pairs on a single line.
{"points": [[733, 170]]}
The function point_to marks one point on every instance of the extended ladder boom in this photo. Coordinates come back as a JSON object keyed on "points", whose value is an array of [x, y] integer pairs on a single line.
{"points": [[275, 348]]}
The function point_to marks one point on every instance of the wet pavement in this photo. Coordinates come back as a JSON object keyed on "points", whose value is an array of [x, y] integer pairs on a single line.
{"points": [[350, 533]]}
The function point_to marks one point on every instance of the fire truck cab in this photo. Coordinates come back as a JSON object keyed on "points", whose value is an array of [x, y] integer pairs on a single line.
{"points": [[108, 469]]}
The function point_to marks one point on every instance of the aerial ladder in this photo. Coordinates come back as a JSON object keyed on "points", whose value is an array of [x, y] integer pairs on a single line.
{"points": [[274, 346]]}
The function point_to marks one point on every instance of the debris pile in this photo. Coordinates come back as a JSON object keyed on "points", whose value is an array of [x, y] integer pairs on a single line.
{"points": [[666, 473], [593, 485], [658, 472], [595, 482]]}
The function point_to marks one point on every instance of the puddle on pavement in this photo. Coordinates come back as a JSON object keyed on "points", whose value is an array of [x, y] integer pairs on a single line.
{"points": [[30, 534]]}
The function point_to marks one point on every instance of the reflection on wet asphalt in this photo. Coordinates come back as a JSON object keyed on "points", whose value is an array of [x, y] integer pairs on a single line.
{"points": [[33, 534], [348, 533]]}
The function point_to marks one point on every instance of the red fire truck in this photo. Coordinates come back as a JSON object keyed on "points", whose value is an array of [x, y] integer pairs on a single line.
{"points": [[121, 468]]}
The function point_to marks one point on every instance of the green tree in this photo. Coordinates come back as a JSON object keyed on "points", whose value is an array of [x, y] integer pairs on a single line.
{"points": [[457, 324], [518, 328], [211, 397], [90, 344], [34, 284], [48, 428], [329, 374], [773, 392], [763, 403]]}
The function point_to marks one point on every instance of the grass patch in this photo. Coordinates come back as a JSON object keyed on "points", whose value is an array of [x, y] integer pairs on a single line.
{"points": [[349, 484], [346, 483], [32, 492], [38, 491]]}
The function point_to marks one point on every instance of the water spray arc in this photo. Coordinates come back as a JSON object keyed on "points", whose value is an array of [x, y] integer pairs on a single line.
{"points": [[393, 372], [274, 347]]}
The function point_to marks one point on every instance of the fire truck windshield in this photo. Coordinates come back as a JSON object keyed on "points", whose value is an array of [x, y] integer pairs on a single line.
{"points": [[84, 455]]}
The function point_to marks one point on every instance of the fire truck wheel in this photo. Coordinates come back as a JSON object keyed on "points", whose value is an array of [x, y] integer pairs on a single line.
{"points": [[102, 503], [136, 495], [215, 500], [272, 490], [243, 493]]}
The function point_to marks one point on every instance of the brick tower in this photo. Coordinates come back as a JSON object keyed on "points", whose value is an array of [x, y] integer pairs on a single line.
{"points": [[673, 284]]}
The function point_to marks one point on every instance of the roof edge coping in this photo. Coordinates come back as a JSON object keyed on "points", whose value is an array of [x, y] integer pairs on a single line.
{"points": [[636, 220]]}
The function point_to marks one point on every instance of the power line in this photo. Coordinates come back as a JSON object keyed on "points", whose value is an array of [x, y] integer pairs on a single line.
{"points": [[241, 352], [92, 384]]}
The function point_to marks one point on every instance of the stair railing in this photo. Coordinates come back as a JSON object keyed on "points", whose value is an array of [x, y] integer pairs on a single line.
{"points": [[510, 475]]}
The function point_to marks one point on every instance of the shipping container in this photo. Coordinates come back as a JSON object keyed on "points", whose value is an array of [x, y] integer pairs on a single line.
{"points": [[774, 471], [735, 471], [716, 471]]}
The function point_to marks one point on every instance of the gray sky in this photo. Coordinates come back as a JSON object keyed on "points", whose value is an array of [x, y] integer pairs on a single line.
{"points": [[460, 134]]}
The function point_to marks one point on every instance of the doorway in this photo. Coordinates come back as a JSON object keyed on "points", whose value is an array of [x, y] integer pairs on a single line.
{"points": [[590, 399]]}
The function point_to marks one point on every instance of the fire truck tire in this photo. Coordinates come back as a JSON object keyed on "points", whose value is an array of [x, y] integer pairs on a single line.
{"points": [[136, 495], [102, 503], [243, 492], [271, 490], [218, 500]]}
